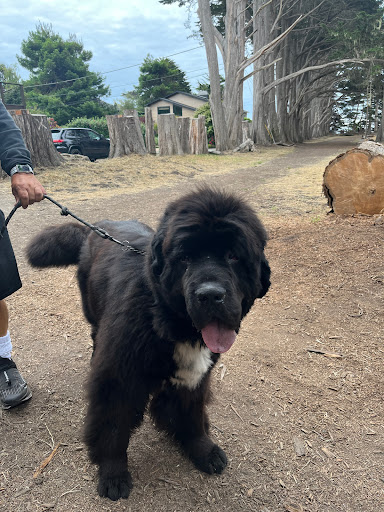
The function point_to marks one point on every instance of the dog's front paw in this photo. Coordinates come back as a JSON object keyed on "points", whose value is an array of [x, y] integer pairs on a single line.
{"points": [[214, 461], [115, 487]]}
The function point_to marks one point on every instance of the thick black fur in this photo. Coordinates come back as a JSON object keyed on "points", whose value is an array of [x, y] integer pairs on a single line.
{"points": [[144, 310]]}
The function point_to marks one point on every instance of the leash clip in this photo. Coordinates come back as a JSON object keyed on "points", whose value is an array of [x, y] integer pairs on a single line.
{"points": [[125, 245]]}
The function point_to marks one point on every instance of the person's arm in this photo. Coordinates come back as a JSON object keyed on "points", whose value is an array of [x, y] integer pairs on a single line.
{"points": [[16, 161], [12, 147]]}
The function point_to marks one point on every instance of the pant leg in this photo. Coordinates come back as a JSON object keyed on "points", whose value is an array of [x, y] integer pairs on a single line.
{"points": [[9, 274]]}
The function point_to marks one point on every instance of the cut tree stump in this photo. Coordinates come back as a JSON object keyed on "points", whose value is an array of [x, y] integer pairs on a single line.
{"points": [[169, 142], [198, 136], [125, 136], [38, 139], [183, 129], [354, 181], [149, 132]]}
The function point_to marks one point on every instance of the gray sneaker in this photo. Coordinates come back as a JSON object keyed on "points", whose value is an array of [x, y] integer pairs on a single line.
{"points": [[13, 388]]}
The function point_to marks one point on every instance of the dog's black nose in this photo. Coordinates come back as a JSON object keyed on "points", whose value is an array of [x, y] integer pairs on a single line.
{"points": [[210, 293]]}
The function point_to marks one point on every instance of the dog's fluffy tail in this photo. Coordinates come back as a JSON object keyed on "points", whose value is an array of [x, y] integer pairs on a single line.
{"points": [[57, 246]]}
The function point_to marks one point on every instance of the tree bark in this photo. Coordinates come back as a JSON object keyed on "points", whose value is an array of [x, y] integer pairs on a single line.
{"points": [[246, 130], [183, 130], [259, 116], [149, 132], [217, 108], [198, 136], [169, 142], [354, 181], [380, 131], [38, 139], [125, 136], [234, 54]]}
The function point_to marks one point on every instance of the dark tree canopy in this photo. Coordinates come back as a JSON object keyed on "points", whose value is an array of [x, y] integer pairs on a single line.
{"points": [[158, 78], [71, 90]]}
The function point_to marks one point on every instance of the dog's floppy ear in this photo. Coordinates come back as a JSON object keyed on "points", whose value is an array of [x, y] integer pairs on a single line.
{"points": [[157, 253], [265, 274]]}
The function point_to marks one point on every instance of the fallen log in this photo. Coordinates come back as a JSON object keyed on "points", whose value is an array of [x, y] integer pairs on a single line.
{"points": [[353, 182]]}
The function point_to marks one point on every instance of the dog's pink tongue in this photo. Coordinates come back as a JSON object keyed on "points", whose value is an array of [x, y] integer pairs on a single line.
{"points": [[218, 339]]}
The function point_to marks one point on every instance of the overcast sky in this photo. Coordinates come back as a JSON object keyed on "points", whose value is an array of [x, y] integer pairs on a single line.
{"points": [[120, 34]]}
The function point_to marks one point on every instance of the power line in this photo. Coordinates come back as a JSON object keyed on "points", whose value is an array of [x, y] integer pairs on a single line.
{"points": [[64, 92], [106, 72]]}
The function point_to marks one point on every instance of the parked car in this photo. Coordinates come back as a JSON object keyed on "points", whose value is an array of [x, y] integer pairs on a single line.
{"points": [[80, 141]]}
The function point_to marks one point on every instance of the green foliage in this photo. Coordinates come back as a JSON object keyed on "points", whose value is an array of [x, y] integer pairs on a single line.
{"points": [[10, 75], [129, 101], [71, 90], [99, 124], [218, 9], [360, 85], [206, 86], [205, 110], [158, 78]]}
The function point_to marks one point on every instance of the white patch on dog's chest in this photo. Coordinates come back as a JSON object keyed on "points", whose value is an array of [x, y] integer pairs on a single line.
{"points": [[192, 364]]}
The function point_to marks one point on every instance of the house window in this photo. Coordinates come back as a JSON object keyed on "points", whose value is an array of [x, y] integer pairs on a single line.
{"points": [[163, 110], [178, 111]]}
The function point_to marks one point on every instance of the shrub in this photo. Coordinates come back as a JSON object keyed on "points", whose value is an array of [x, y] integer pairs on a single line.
{"points": [[99, 124], [205, 110]]}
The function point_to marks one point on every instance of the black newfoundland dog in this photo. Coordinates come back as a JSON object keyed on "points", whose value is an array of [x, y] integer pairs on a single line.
{"points": [[161, 320]]}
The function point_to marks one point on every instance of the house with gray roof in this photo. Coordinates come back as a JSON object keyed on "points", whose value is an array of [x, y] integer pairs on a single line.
{"points": [[182, 104]]}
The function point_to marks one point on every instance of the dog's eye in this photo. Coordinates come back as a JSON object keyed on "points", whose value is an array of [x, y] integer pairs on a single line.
{"points": [[185, 258], [232, 257]]}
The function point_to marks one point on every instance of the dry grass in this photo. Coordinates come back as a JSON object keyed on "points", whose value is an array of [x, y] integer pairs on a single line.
{"points": [[136, 173], [299, 191]]}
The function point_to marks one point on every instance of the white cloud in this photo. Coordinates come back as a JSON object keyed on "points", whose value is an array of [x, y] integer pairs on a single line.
{"points": [[119, 34]]}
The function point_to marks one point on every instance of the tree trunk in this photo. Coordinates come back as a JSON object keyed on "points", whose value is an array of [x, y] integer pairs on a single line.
{"points": [[198, 136], [125, 136], [169, 142], [260, 38], [354, 181], [234, 55], [246, 130], [183, 130], [38, 139], [217, 109], [149, 132], [380, 131]]}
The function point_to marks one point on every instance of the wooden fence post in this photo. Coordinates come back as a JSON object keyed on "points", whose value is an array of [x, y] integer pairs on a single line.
{"points": [[198, 136], [149, 132], [169, 143]]}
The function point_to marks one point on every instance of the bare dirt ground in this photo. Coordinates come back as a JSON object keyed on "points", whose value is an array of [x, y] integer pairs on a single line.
{"points": [[303, 430]]}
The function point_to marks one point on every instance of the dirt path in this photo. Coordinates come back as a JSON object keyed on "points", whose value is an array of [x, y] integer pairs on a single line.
{"points": [[303, 431]]}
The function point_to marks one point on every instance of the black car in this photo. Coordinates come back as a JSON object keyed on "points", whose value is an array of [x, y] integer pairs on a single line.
{"points": [[80, 141]]}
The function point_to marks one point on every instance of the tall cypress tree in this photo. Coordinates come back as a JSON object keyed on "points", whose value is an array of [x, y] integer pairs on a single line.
{"points": [[60, 83]]}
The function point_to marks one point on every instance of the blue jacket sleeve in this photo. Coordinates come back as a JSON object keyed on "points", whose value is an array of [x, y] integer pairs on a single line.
{"points": [[12, 147]]}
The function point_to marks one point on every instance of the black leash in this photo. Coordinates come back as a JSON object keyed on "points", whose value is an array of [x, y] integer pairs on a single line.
{"points": [[125, 245]]}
